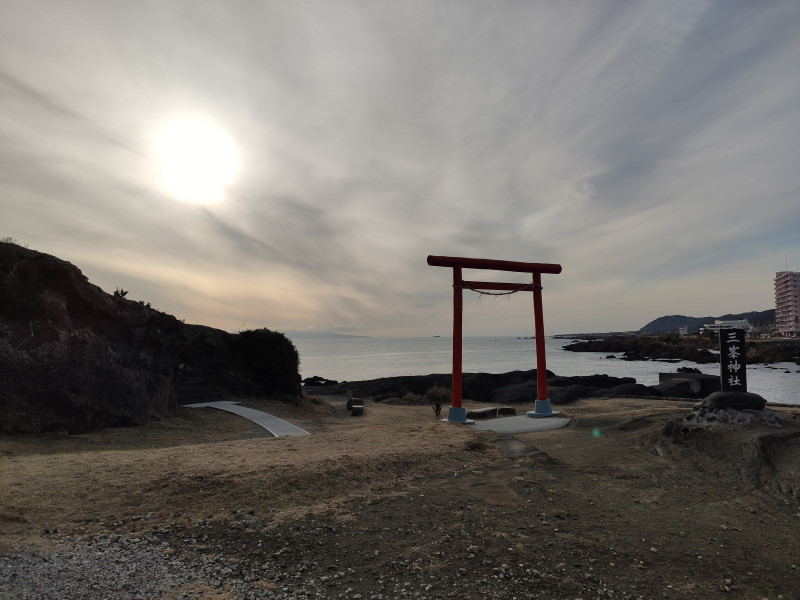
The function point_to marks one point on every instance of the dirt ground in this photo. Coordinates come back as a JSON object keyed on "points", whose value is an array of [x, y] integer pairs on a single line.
{"points": [[626, 502]]}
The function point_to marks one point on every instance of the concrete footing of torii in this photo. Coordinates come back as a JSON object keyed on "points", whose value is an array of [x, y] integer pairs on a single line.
{"points": [[540, 419]]}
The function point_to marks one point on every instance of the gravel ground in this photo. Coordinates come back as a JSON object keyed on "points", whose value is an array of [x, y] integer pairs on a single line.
{"points": [[122, 567], [628, 503]]}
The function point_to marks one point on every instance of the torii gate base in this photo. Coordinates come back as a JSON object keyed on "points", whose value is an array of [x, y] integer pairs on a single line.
{"points": [[457, 414], [542, 407]]}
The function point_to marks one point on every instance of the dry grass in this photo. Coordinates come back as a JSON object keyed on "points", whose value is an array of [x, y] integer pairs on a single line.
{"points": [[611, 482], [76, 483]]}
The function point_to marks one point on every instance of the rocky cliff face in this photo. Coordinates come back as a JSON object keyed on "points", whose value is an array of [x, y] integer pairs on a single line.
{"points": [[74, 358]]}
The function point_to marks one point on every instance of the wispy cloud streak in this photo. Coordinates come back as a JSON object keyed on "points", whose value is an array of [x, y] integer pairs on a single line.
{"points": [[650, 147]]}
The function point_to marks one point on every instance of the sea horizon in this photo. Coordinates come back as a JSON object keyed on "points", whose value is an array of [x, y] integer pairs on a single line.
{"points": [[362, 358]]}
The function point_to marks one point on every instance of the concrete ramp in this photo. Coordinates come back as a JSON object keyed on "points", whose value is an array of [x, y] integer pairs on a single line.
{"points": [[521, 424], [277, 427]]}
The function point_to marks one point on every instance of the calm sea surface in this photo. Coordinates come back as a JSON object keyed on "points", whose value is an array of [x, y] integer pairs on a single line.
{"points": [[354, 359]]}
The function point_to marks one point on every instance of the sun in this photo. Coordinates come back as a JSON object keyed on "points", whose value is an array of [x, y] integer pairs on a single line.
{"points": [[197, 160]]}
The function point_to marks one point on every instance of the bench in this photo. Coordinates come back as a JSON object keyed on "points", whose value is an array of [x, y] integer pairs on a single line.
{"points": [[491, 412], [355, 406]]}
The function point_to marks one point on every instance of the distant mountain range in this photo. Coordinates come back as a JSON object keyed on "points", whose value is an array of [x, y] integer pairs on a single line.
{"points": [[675, 322]]}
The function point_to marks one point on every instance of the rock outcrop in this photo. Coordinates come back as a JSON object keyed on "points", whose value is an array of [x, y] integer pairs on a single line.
{"points": [[696, 348], [649, 348], [74, 358], [500, 388]]}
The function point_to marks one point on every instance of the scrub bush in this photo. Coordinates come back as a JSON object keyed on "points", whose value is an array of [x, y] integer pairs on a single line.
{"points": [[270, 359]]}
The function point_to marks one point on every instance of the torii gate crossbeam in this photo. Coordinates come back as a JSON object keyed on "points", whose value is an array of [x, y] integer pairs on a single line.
{"points": [[543, 407]]}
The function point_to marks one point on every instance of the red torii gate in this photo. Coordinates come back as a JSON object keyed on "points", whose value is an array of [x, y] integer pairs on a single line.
{"points": [[542, 407]]}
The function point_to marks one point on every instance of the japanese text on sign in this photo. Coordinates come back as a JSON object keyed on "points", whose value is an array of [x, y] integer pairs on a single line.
{"points": [[733, 374]]}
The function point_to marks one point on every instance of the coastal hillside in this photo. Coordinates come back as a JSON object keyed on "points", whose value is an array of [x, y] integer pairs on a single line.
{"points": [[74, 358], [675, 322]]}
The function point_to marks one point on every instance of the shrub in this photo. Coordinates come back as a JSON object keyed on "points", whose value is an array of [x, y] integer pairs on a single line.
{"points": [[437, 396], [12, 240], [270, 359], [411, 398], [438, 393]]}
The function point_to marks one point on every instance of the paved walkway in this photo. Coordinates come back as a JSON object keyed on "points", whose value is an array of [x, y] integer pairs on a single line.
{"points": [[277, 427], [520, 424]]}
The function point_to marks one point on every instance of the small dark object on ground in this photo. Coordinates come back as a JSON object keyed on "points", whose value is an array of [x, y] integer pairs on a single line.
{"points": [[475, 445], [491, 412], [488, 412], [355, 406], [317, 380]]}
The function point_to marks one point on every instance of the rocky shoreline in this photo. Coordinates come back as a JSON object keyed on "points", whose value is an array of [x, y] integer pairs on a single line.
{"points": [[699, 349], [517, 387]]}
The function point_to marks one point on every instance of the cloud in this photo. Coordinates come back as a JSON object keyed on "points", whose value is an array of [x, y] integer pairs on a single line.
{"points": [[650, 148]]}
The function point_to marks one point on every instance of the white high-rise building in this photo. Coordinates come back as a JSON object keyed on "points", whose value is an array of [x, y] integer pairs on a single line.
{"points": [[787, 303]]}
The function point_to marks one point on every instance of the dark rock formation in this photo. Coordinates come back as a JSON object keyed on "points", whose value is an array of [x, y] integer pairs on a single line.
{"points": [[694, 348], [772, 351], [685, 384], [571, 393], [74, 358], [702, 415], [663, 347], [387, 387], [589, 381], [479, 387], [316, 380], [515, 393], [631, 389], [486, 387], [736, 400]]}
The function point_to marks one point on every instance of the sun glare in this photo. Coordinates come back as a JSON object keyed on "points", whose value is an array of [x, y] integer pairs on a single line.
{"points": [[197, 160]]}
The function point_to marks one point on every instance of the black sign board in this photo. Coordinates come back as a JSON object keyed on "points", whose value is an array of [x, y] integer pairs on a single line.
{"points": [[732, 372]]}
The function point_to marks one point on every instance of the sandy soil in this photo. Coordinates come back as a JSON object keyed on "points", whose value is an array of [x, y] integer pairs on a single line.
{"points": [[626, 502]]}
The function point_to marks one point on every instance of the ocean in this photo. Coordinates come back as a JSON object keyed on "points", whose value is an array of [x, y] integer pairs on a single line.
{"points": [[361, 358]]}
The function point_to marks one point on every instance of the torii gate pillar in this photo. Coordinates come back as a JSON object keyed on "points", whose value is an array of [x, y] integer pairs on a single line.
{"points": [[542, 407]]}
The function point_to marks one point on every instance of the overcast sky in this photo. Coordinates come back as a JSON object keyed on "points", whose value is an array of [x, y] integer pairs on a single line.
{"points": [[650, 148]]}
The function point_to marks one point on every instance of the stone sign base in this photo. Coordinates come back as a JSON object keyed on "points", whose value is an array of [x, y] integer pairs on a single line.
{"points": [[737, 400], [704, 415]]}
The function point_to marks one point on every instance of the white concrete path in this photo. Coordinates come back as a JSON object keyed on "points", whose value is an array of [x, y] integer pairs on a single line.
{"points": [[277, 427], [520, 424]]}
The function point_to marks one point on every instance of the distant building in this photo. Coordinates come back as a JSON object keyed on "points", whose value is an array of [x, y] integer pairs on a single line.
{"points": [[717, 325], [683, 331], [787, 303]]}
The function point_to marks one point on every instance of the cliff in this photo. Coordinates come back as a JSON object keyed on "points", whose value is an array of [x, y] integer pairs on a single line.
{"points": [[74, 358]]}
